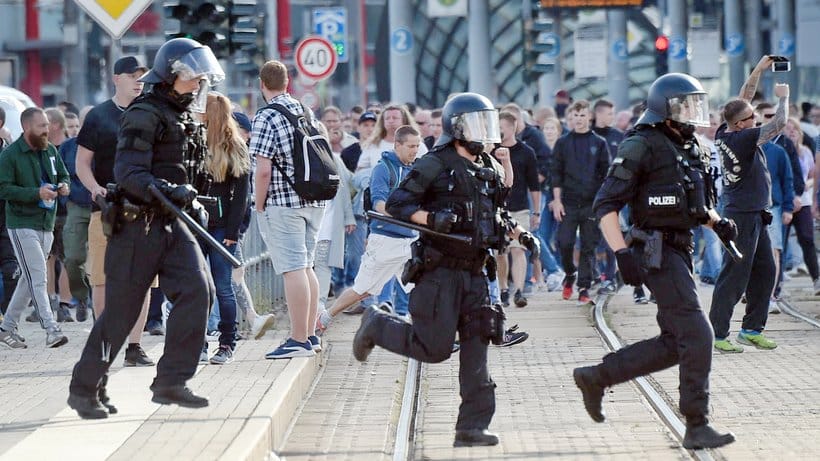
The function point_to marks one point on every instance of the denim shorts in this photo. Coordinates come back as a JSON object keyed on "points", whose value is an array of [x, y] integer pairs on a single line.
{"points": [[290, 236]]}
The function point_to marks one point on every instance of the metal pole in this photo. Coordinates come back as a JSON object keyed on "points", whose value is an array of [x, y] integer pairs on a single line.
{"points": [[478, 48], [785, 44], [734, 45], [678, 23], [77, 56], [618, 69], [754, 42], [272, 31], [402, 53], [550, 82]]}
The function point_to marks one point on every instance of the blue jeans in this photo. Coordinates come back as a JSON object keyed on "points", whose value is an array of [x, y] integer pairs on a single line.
{"points": [[354, 249], [221, 271], [712, 252], [395, 295], [546, 230]]}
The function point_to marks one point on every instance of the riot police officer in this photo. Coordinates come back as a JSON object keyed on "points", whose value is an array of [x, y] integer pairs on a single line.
{"points": [[660, 171], [151, 147], [455, 188]]}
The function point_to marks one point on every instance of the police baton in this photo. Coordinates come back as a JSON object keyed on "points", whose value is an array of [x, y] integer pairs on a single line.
{"points": [[731, 248], [193, 226], [416, 227]]}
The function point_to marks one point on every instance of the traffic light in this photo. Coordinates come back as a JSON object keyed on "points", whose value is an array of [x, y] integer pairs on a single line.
{"points": [[205, 22], [243, 25], [661, 55], [540, 48]]}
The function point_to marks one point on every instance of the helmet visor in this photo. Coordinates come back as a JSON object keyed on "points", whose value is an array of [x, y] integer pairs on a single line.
{"points": [[481, 126], [689, 109], [199, 63]]}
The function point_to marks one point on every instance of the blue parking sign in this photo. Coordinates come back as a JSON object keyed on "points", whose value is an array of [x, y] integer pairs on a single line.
{"points": [[331, 23]]}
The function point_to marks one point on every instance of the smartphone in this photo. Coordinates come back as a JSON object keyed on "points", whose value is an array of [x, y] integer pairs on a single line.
{"points": [[781, 64]]}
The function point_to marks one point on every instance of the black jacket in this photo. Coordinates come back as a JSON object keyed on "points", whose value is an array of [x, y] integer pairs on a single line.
{"points": [[579, 165]]}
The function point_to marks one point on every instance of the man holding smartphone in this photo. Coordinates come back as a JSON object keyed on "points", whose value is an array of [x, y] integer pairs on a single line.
{"points": [[32, 175]]}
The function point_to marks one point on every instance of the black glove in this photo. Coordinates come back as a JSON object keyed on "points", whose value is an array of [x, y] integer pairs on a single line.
{"points": [[629, 266], [726, 229], [530, 243], [182, 195], [199, 213], [441, 221]]}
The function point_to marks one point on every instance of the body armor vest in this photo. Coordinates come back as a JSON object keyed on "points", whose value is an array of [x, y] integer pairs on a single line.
{"points": [[168, 161], [673, 191], [475, 193]]}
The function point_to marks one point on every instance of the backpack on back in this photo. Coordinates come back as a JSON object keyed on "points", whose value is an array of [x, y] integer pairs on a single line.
{"points": [[393, 182], [315, 176]]}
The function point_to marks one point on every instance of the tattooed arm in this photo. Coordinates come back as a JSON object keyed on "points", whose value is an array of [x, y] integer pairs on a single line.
{"points": [[773, 128], [747, 91]]}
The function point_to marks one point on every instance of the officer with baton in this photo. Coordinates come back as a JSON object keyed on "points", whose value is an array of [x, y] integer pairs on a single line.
{"points": [[151, 156]]}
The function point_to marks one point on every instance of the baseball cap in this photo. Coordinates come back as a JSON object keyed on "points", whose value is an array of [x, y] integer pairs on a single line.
{"points": [[242, 120], [562, 94], [367, 116], [128, 65]]}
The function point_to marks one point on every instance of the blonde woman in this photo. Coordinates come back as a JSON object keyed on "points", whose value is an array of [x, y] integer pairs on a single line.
{"points": [[229, 165]]}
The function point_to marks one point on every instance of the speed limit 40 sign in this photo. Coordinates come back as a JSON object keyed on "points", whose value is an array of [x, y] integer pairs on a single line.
{"points": [[315, 57]]}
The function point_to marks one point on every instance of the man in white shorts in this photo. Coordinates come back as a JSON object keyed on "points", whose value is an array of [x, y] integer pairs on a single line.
{"points": [[388, 246]]}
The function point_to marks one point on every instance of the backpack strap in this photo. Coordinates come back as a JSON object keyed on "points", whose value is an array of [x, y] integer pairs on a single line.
{"points": [[293, 119]]}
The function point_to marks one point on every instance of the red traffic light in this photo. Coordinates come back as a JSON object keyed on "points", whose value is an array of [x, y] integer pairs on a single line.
{"points": [[662, 43]]}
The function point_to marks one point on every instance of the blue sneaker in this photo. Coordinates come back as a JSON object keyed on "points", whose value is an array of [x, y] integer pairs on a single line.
{"points": [[290, 349], [315, 343]]}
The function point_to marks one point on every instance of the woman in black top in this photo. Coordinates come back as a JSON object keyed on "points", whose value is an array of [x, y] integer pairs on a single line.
{"points": [[229, 164]]}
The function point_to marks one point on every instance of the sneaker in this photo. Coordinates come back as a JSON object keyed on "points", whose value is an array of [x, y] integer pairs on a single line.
{"points": [[607, 288], [354, 310], [639, 296], [203, 356], [8, 339], [290, 349], [707, 281], [786, 277], [33, 317], [554, 280], [87, 407], [569, 280], [583, 297], [512, 337], [755, 339], [223, 355], [212, 335], [55, 338], [520, 300], [322, 322], [315, 343], [64, 313], [135, 356], [774, 307], [726, 346], [505, 297], [81, 309], [261, 325], [17, 336], [456, 347], [527, 289], [817, 287], [156, 329]]}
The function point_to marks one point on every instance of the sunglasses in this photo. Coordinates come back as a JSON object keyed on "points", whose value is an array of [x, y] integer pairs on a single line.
{"points": [[747, 118], [768, 116]]}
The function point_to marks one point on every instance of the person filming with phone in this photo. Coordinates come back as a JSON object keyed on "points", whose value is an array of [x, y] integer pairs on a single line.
{"points": [[747, 192]]}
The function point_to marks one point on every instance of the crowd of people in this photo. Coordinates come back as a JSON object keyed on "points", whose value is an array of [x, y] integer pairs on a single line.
{"points": [[552, 164]]}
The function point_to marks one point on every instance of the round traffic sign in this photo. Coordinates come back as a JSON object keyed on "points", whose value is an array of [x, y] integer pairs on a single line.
{"points": [[315, 57]]}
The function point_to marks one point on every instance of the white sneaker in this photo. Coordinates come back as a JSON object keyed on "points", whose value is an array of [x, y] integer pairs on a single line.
{"points": [[554, 280], [774, 308], [817, 287], [261, 325]]}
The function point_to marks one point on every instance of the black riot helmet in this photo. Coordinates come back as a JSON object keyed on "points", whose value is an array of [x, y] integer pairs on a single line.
{"points": [[185, 58], [469, 117], [676, 97]]}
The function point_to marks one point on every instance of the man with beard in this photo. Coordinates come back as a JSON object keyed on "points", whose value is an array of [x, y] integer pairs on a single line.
{"points": [[154, 145], [32, 175]]}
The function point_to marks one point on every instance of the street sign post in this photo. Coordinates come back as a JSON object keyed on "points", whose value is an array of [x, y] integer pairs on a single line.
{"points": [[316, 58], [114, 16], [331, 23]]}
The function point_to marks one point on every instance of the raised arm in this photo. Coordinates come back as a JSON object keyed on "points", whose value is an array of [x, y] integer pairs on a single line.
{"points": [[747, 91], [773, 128]]}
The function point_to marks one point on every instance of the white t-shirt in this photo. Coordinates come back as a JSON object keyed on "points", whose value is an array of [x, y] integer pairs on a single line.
{"points": [[326, 227], [373, 153], [806, 166]]}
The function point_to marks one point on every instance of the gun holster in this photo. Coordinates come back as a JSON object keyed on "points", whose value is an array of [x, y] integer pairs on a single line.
{"points": [[414, 267], [652, 242], [109, 215], [486, 322]]}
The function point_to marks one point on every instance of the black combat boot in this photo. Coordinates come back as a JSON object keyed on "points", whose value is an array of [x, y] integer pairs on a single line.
{"points": [[178, 394], [102, 396], [705, 436], [588, 380], [87, 407], [363, 341], [475, 438]]}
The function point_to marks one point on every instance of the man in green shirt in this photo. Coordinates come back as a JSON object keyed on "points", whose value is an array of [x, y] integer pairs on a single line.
{"points": [[32, 175]]}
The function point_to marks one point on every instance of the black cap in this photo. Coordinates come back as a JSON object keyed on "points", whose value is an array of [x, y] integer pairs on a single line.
{"points": [[242, 120], [128, 65], [367, 116]]}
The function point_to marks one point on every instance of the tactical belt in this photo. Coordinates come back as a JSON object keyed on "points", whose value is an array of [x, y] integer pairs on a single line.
{"points": [[434, 258], [679, 240]]}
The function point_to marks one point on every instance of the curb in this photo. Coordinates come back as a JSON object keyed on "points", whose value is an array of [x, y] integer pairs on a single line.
{"points": [[267, 425]]}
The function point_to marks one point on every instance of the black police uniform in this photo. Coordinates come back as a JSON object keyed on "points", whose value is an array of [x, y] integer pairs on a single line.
{"points": [[451, 294], [665, 184], [150, 148]]}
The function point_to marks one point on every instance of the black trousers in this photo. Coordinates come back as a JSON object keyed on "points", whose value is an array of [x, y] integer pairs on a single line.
{"points": [[753, 275], [803, 224], [132, 260], [581, 219], [685, 338], [436, 303]]}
